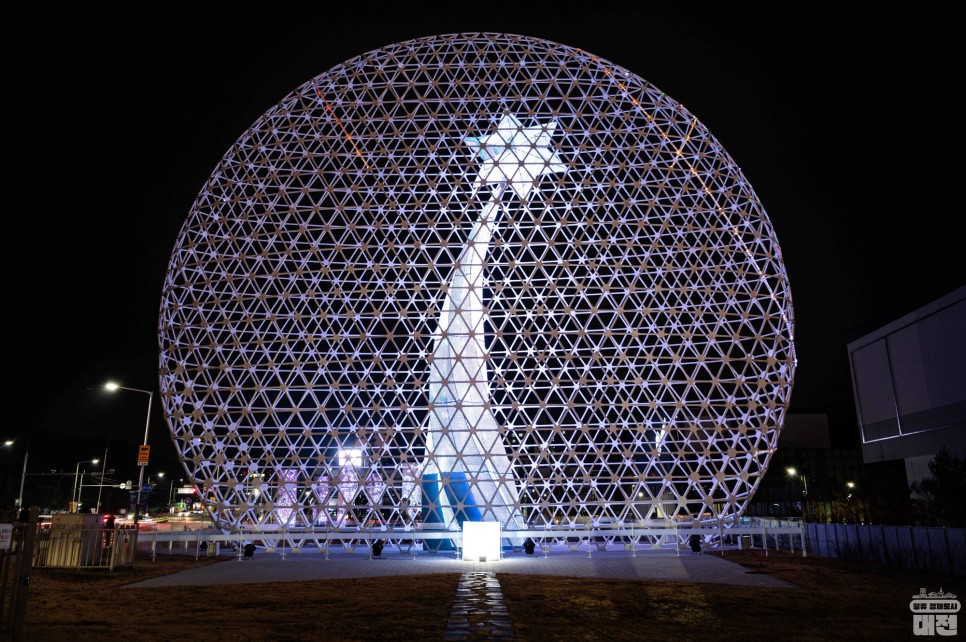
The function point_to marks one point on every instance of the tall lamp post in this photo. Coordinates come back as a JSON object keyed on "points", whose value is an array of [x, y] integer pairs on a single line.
{"points": [[23, 475], [161, 480], [74, 496], [100, 486], [171, 492], [794, 473], [111, 386]]}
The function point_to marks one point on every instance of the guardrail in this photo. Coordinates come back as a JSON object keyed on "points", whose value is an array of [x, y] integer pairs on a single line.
{"points": [[632, 539]]}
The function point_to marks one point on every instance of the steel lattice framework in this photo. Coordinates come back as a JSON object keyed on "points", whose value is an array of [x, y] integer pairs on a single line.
{"points": [[475, 277]]}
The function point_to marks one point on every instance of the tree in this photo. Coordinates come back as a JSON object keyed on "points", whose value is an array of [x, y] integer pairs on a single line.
{"points": [[942, 495]]}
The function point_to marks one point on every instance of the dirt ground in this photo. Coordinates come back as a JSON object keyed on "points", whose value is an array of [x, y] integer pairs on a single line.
{"points": [[832, 601]]}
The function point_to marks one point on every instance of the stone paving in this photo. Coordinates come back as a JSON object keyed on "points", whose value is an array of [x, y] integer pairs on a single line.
{"points": [[478, 611]]}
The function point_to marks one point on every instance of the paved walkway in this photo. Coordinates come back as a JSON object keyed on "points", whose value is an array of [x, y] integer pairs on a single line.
{"points": [[313, 565], [478, 611]]}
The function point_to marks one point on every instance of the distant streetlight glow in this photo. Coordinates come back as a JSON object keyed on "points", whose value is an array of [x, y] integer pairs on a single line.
{"points": [[793, 472], [23, 474], [75, 495]]}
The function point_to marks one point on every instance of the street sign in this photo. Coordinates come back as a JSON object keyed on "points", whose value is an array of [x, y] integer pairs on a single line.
{"points": [[144, 452]]}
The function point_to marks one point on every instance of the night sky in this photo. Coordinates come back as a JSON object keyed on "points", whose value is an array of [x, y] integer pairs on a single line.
{"points": [[842, 124]]}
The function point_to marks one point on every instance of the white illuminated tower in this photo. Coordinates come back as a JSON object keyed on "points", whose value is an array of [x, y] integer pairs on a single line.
{"points": [[475, 277], [467, 471]]}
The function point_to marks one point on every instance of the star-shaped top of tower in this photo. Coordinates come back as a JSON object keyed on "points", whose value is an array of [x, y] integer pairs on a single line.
{"points": [[516, 155]]}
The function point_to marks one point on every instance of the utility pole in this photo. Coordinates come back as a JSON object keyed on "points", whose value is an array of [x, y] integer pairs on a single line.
{"points": [[100, 486], [23, 476]]}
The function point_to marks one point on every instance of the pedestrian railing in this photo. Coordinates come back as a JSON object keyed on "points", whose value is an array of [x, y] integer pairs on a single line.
{"points": [[70, 546], [407, 540], [17, 530]]}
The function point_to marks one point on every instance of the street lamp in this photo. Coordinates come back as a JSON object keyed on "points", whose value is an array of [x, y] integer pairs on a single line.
{"points": [[74, 495], [794, 473], [112, 387], [171, 492], [23, 474], [100, 486], [158, 484]]}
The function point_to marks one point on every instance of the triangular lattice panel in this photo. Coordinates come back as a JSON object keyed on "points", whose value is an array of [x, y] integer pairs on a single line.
{"points": [[475, 276]]}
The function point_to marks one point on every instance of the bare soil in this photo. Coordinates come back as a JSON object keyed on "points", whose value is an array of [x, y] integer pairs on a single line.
{"points": [[833, 601]]}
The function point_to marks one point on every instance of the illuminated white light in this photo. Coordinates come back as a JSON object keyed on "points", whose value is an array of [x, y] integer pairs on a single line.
{"points": [[481, 541], [350, 457], [515, 155]]}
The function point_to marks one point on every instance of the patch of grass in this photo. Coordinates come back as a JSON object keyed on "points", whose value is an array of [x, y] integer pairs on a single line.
{"points": [[94, 605], [831, 600]]}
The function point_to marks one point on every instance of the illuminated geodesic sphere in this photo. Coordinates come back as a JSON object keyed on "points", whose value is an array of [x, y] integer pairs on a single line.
{"points": [[475, 277]]}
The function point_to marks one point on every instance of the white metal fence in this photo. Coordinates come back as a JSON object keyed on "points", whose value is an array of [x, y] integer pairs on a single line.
{"points": [[936, 549], [547, 540], [73, 546]]}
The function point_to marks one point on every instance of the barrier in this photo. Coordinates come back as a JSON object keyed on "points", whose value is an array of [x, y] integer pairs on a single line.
{"points": [[938, 549], [631, 538], [72, 546]]}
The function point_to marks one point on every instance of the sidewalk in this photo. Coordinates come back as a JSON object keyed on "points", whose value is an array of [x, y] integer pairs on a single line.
{"points": [[313, 565]]}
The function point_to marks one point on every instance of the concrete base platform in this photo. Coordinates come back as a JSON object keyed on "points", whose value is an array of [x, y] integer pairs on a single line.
{"points": [[313, 565]]}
